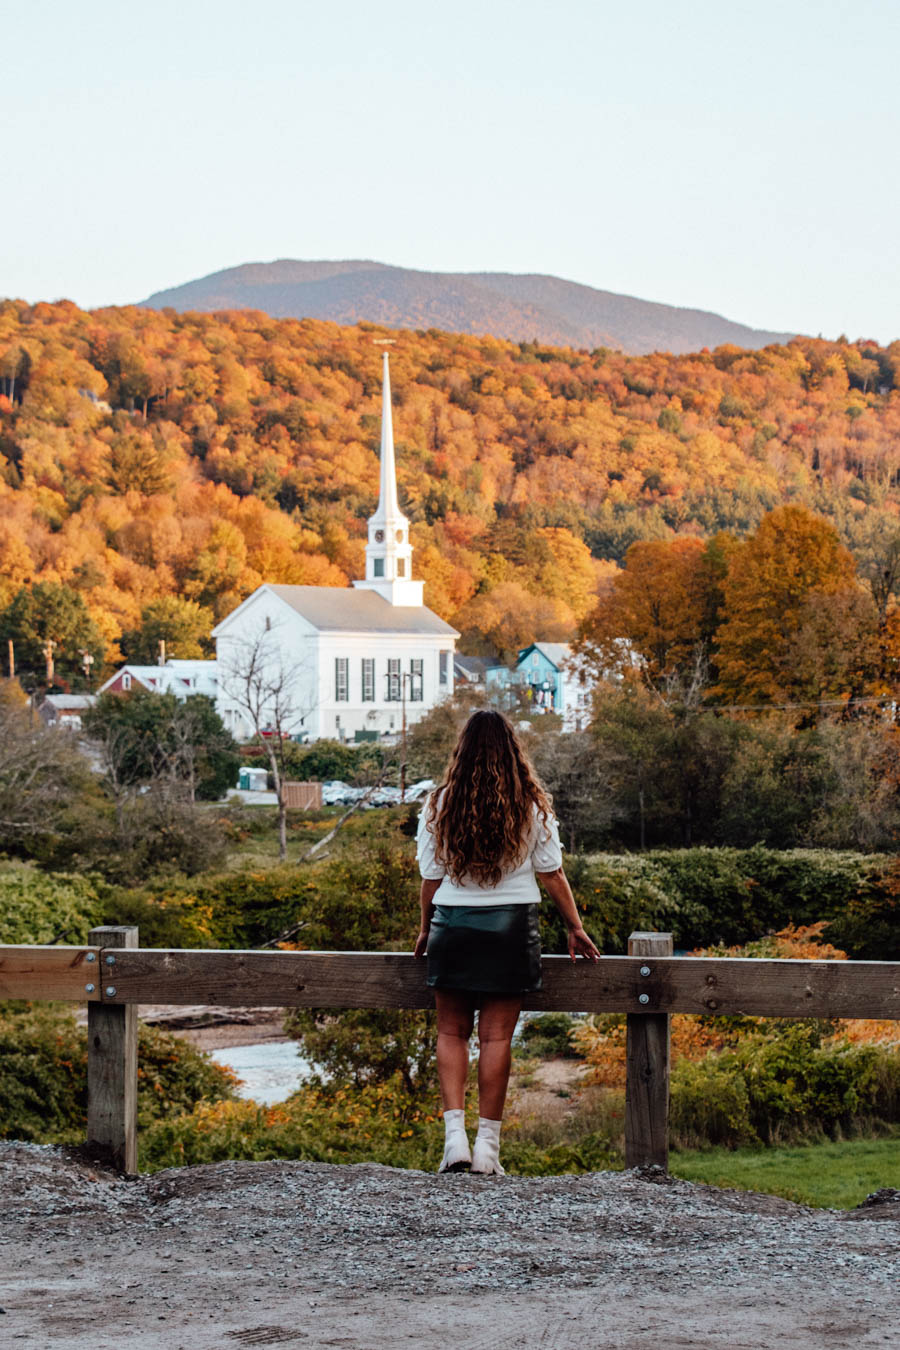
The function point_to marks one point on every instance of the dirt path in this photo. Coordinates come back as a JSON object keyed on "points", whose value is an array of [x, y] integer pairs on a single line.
{"points": [[310, 1255]]}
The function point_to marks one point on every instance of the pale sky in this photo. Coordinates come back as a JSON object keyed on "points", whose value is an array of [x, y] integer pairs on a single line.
{"points": [[738, 157]]}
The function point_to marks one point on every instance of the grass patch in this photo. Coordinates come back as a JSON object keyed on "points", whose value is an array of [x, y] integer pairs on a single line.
{"points": [[833, 1175]]}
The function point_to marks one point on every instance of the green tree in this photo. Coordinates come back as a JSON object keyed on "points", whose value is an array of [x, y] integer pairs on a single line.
{"points": [[580, 780], [433, 737], [154, 737], [364, 1046], [49, 615], [183, 625]]}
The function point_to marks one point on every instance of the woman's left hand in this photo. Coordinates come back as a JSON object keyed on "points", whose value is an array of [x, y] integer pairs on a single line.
{"points": [[421, 942], [581, 945]]}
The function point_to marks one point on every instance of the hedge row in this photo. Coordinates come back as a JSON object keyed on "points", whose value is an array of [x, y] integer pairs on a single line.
{"points": [[706, 896], [366, 898]]}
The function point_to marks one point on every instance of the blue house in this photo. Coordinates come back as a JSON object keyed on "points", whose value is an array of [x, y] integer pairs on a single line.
{"points": [[544, 674]]}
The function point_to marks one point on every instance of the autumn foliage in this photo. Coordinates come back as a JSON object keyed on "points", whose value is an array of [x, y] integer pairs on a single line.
{"points": [[152, 457], [601, 1039]]}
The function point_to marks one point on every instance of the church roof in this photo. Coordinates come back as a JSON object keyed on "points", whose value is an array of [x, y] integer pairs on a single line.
{"points": [[333, 609]]}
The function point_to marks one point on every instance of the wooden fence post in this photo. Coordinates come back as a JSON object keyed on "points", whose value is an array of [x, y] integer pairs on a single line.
{"points": [[647, 1069], [112, 1061]]}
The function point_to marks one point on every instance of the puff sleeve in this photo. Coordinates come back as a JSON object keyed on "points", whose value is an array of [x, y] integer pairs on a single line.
{"points": [[547, 853], [429, 868]]}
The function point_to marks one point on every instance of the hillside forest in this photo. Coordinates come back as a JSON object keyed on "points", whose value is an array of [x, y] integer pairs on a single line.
{"points": [[734, 514]]}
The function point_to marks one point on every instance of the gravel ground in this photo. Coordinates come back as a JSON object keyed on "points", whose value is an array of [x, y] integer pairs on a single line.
{"points": [[310, 1254]]}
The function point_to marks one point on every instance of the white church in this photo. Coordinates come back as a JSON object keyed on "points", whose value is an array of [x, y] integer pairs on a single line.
{"points": [[350, 664]]}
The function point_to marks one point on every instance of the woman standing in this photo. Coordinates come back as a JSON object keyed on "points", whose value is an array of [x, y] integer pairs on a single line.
{"points": [[485, 835]]}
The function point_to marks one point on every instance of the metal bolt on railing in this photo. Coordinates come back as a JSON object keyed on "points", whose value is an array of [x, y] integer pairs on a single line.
{"points": [[643, 998], [645, 970], [88, 988], [91, 956], [110, 960], [110, 991]]}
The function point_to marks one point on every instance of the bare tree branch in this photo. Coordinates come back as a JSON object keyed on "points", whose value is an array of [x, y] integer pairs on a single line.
{"points": [[255, 678]]}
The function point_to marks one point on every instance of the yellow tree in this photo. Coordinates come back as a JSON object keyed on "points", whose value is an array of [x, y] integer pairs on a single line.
{"points": [[792, 568]]}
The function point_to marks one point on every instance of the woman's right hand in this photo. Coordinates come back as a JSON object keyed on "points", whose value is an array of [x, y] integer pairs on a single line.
{"points": [[421, 942], [581, 945]]}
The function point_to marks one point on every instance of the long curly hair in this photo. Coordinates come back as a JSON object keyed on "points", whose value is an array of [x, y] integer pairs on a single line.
{"points": [[481, 815]]}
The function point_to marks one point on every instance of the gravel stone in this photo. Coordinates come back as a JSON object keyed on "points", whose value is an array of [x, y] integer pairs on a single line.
{"points": [[380, 1255]]}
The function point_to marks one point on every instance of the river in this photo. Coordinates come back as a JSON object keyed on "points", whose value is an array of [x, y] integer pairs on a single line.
{"points": [[269, 1072]]}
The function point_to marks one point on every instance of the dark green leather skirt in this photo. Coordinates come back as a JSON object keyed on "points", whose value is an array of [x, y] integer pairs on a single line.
{"points": [[488, 949]]}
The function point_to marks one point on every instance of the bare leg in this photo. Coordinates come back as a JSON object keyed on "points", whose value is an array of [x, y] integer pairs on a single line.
{"points": [[496, 1024], [455, 1019]]}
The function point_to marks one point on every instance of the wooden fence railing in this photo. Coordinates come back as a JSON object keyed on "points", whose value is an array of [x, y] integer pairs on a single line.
{"points": [[113, 975]]}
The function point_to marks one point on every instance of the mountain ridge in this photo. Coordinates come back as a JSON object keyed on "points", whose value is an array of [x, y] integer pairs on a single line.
{"points": [[515, 306]]}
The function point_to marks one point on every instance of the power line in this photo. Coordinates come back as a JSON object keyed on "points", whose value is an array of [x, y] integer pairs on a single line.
{"points": [[885, 701]]}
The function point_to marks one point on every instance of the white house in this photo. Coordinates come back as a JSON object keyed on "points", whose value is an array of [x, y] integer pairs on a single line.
{"points": [[181, 678], [351, 663]]}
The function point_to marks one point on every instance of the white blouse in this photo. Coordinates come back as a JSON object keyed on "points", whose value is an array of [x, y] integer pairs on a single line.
{"points": [[518, 886]]}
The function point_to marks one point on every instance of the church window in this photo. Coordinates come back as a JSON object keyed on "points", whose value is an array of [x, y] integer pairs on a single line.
{"points": [[126, 680], [378, 567], [394, 681], [443, 667], [368, 679], [401, 567], [341, 679], [379, 536], [399, 536], [416, 682]]}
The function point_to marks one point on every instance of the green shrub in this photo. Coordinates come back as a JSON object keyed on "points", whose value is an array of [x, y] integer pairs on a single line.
{"points": [[374, 1123], [548, 1034], [43, 1075], [377, 1123], [173, 1076], [37, 907], [784, 1082], [868, 929], [362, 1045], [616, 895]]}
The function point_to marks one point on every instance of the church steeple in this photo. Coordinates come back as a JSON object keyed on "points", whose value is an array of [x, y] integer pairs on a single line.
{"points": [[389, 552], [388, 505]]}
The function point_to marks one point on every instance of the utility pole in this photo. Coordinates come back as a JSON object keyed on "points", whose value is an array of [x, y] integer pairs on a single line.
{"points": [[401, 677], [11, 652], [162, 651], [48, 654], [404, 676]]}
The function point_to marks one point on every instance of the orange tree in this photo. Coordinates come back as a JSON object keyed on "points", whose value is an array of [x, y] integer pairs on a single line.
{"points": [[657, 615]]}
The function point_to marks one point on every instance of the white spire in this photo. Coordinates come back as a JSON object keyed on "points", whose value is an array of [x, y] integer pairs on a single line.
{"points": [[389, 552], [388, 505]]}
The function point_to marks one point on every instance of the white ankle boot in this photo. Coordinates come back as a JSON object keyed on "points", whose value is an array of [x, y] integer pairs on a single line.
{"points": [[457, 1154], [486, 1154]]}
